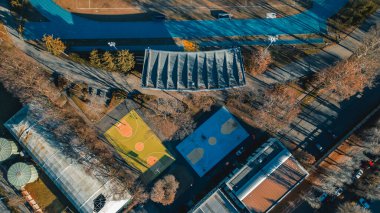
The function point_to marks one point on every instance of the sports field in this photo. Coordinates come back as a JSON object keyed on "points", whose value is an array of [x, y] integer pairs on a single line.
{"points": [[138, 145], [212, 141]]}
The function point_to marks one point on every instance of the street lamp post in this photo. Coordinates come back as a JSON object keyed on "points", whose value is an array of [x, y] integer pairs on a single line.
{"points": [[112, 44], [271, 39]]}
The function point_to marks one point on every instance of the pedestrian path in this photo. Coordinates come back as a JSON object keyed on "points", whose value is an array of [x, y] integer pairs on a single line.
{"points": [[66, 25], [221, 44]]}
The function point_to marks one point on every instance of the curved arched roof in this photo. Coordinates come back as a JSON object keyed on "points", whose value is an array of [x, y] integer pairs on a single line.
{"points": [[20, 174], [7, 148], [205, 70], [69, 174]]}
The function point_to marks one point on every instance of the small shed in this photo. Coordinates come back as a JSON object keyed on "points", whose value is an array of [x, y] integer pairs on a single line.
{"points": [[7, 149], [20, 174]]}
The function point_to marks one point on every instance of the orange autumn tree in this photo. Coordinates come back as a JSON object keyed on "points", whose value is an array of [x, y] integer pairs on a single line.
{"points": [[164, 190], [190, 46], [346, 78], [258, 61], [354, 74]]}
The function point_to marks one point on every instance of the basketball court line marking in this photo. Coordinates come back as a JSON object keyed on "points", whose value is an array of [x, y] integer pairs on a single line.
{"points": [[134, 132], [145, 160]]}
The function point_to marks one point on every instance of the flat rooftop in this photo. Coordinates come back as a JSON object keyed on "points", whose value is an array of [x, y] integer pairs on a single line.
{"points": [[268, 176], [216, 202]]}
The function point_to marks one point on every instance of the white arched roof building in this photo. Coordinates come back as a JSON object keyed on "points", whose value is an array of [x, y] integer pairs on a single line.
{"points": [[87, 192]]}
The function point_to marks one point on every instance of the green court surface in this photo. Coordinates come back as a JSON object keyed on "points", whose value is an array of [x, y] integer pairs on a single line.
{"points": [[139, 146]]}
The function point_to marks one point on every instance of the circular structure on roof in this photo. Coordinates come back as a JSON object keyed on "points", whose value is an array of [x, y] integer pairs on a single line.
{"points": [[7, 148], [20, 174]]}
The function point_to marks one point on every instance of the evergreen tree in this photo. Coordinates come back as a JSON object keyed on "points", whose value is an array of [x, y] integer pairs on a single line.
{"points": [[54, 45], [94, 58], [125, 61], [108, 61]]}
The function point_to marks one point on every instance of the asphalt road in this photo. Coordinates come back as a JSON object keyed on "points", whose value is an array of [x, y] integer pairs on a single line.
{"points": [[71, 26]]}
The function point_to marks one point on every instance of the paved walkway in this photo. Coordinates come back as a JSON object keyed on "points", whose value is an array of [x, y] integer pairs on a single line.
{"points": [[70, 26], [224, 44], [324, 113], [325, 58]]}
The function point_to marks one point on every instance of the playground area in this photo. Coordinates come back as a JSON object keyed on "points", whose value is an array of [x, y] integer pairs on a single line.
{"points": [[183, 10], [212, 141], [139, 146]]}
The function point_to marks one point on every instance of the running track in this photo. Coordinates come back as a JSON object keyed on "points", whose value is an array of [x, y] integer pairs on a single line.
{"points": [[66, 25]]}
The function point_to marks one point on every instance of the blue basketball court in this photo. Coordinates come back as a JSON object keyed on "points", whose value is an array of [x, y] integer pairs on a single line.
{"points": [[212, 141]]}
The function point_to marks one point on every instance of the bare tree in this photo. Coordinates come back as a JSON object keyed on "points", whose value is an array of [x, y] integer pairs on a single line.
{"points": [[351, 207], [32, 85], [353, 75], [304, 157], [258, 61], [202, 101], [311, 199], [368, 186], [279, 107], [164, 190], [15, 201], [371, 138], [140, 196]]}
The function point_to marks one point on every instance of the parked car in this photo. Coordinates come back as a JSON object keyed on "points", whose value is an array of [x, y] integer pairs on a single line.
{"points": [[338, 192], [358, 174], [323, 197], [364, 203]]}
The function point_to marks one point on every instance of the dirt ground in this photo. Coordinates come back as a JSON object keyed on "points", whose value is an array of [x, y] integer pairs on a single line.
{"points": [[186, 10]]}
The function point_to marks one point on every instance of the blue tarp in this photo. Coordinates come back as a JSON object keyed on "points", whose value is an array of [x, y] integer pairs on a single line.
{"points": [[212, 141], [66, 25]]}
